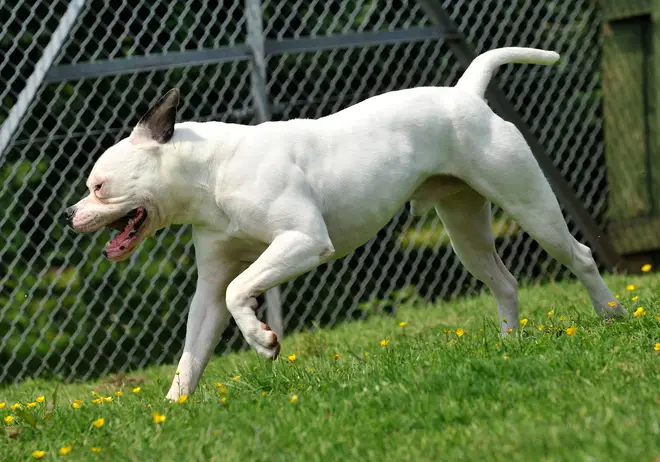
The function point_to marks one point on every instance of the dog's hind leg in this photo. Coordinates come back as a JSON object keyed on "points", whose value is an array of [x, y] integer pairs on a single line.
{"points": [[466, 217], [513, 180]]}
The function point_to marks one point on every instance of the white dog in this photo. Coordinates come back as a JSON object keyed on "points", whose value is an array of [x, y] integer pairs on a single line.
{"points": [[273, 201]]}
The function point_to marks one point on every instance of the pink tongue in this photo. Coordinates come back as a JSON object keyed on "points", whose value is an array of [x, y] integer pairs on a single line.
{"points": [[124, 239]]}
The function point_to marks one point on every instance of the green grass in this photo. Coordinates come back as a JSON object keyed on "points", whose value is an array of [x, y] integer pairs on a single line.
{"points": [[428, 396]]}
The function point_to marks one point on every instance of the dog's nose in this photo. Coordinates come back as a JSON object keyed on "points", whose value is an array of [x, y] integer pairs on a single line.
{"points": [[69, 212]]}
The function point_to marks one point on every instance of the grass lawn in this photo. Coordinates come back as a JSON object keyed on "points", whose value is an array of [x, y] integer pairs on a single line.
{"points": [[428, 395]]}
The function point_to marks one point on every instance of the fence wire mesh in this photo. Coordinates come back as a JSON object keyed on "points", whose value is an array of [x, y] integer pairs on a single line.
{"points": [[64, 310]]}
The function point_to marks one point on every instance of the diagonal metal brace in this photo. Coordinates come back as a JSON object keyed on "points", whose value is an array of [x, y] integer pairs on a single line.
{"points": [[496, 97]]}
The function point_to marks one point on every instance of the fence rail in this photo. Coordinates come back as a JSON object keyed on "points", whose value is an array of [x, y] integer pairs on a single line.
{"points": [[64, 310]]}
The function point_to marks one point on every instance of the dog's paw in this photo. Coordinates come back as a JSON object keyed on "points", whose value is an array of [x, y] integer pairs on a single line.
{"points": [[613, 312], [173, 395], [264, 341]]}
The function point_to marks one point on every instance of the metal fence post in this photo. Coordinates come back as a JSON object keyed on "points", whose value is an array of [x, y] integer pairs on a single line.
{"points": [[255, 41], [40, 69]]}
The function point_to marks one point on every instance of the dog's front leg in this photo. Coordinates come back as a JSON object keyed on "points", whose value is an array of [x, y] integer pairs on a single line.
{"points": [[207, 317], [290, 254]]}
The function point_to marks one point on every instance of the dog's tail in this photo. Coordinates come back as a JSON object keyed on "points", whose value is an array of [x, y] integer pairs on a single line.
{"points": [[478, 74]]}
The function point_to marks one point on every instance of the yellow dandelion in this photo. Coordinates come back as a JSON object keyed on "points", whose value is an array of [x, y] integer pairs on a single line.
{"points": [[630, 287], [524, 321], [77, 403], [41, 399], [65, 450], [2, 405], [137, 390], [384, 342], [571, 330], [336, 356], [97, 400], [107, 399], [95, 449], [551, 313], [657, 347], [223, 400], [9, 419], [292, 358], [366, 353], [119, 393], [15, 406], [182, 399], [38, 454], [445, 331], [219, 384], [639, 312], [223, 390], [93, 393], [30, 405], [510, 331], [646, 268], [158, 417], [293, 399], [403, 324], [237, 378], [612, 303], [541, 327], [460, 332], [98, 423], [635, 298]]}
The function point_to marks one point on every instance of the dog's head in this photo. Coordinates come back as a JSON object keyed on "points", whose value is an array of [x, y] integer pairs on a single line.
{"points": [[124, 185]]}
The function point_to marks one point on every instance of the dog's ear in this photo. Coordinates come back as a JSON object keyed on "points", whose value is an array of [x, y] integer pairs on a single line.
{"points": [[158, 122]]}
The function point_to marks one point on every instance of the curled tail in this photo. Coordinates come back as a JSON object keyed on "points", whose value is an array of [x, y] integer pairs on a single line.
{"points": [[477, 76]]}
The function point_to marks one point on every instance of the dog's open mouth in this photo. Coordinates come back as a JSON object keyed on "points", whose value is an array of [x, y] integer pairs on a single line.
{"points": [[129, 233]]}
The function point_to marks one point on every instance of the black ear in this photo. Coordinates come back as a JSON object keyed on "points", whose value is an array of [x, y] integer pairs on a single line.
{"points": [[159, 120]]}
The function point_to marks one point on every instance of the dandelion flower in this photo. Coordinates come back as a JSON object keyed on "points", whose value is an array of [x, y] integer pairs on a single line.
{"points": [[445, 331], [219, 384], [95, 449], [639, 312], [646, 268], [223, 390], [119, 393], [182, 399], [158, 417], [98, 423], [657, 347], [510, 331], [292, 358], [384, 342], [403, 324], [551, 313], [293, 399], [635, 298], [541, 327], [524, 321], [630, 287], [460, 332], [97, 400], [107, 399], [366, 353], [9, 419], [571, 330], [30, 405], [2, 405], [612, 303], [15, 406], [223, 400], [65, 450], [77, 403], [38, 454], [41, 399], [137, 390], [336, 356], [237, 378]]}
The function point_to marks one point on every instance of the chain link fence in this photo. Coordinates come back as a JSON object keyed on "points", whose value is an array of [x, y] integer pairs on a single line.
{"points": [[65, 311]]}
